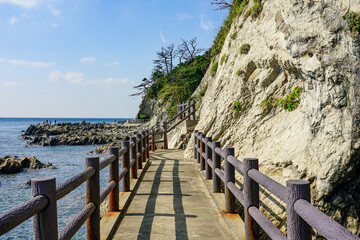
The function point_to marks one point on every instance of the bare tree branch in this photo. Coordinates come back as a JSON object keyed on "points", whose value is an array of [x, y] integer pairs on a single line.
{"points": [[222, 4], [189, 49]]}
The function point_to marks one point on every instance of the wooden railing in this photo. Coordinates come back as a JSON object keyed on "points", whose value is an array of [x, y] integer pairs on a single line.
{"points": [[301, 215], [187, 111], [42, 206]]}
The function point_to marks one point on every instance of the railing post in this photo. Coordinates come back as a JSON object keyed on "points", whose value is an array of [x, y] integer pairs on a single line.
{"points": [[216, 164], [193, 109], [202, 147], [251, 198], [114, 176], [229, 177], [297, 228], [189, 110], [208, 156], [139, 150], [133, 157], [92, 192], [45, 222], [179, 117], [143, 139], [126, 164], [198, 141], [195, 144], [165, 136], [147, 144], [153, 140]]}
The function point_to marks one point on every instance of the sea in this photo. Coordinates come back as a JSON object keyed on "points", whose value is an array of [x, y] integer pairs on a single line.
{"points": [[67, 160]]}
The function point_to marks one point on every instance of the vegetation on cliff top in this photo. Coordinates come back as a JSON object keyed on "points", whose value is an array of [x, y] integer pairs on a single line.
{"points": [[175, 84]]}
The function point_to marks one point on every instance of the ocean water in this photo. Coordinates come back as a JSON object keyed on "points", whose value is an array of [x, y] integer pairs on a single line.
{"points": [[68, 161]]}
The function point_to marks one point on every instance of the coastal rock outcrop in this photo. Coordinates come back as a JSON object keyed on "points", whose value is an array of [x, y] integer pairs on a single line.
{"points": [[296, 92], [76, 133], [10, 165]]}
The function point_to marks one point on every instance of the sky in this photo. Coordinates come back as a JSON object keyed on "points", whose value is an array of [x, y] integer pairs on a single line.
{"points": [[81, 58]]}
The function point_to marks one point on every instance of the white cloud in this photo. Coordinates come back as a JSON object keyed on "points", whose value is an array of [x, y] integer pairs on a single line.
{"points": [[9, 84], [88, 59], [71, 77], [13, 20], [184, 16], [162, 37], [113, 63], [27, 63], [79, 78], [22, 3], [205, 24], [54, 25]]}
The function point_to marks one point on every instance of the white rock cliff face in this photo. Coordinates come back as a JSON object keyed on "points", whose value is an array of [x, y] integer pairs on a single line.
{"points": [[293, 43]]}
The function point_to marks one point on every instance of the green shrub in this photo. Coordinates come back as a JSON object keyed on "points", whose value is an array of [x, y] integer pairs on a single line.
{"points": [[291, 100], [247, 14], [203, 91], [172, 111], [223, 58], [213, 69], [268, 104], [180, 84], [353, 21], [256, 9], [233, 36], [143, 116], [238, 6], [237, 106], [245, 48]]}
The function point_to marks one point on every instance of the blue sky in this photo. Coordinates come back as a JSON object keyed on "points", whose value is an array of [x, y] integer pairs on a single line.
{"points": [[81, 58]]}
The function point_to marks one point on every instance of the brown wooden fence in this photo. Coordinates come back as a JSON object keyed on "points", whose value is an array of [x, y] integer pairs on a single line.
{"points": [[301, 215], [187, 107], [186, 111], [42, 206]]}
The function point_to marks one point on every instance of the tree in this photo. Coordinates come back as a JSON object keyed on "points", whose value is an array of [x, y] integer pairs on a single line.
{"points": [[143, 87], [222, 4], [164, 64], [165, 58], [188, 49]]}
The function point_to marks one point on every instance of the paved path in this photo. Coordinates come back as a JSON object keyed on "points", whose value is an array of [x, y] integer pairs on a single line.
{"points": [[172, 203]]}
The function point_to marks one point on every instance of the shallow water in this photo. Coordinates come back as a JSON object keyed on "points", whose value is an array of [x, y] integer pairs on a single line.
{"points": [[68, 161]]}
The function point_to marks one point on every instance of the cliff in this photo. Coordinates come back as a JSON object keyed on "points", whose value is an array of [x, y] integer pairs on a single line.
{"points": [[292, 72]]}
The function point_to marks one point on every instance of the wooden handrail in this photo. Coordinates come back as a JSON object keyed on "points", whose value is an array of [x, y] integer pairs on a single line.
{"points": [[43, 204], [296, 195], [177, 115]]}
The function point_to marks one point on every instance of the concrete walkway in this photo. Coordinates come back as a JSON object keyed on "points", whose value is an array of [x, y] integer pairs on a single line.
{"points": [[172, 203]]}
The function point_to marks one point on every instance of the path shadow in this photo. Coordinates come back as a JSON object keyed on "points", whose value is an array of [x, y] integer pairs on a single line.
{"points": [[179, 214]]}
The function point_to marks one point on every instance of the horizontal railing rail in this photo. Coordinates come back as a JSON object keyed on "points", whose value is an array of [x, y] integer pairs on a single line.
{"points": [[301, 215], [42, 206]]}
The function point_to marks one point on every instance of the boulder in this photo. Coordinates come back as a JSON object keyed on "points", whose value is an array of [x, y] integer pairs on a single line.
{"points": [[10, 165]]}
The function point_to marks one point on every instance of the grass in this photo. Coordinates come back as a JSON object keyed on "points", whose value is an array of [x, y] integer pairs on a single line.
{"points": [[213, 69]]}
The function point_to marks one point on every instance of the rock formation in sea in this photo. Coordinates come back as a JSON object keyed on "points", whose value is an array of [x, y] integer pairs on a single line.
{"points": [[70, 134], [10, 165]]}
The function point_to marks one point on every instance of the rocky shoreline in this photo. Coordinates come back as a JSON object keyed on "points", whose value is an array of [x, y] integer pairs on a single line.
{"points": [[74, 134]]}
